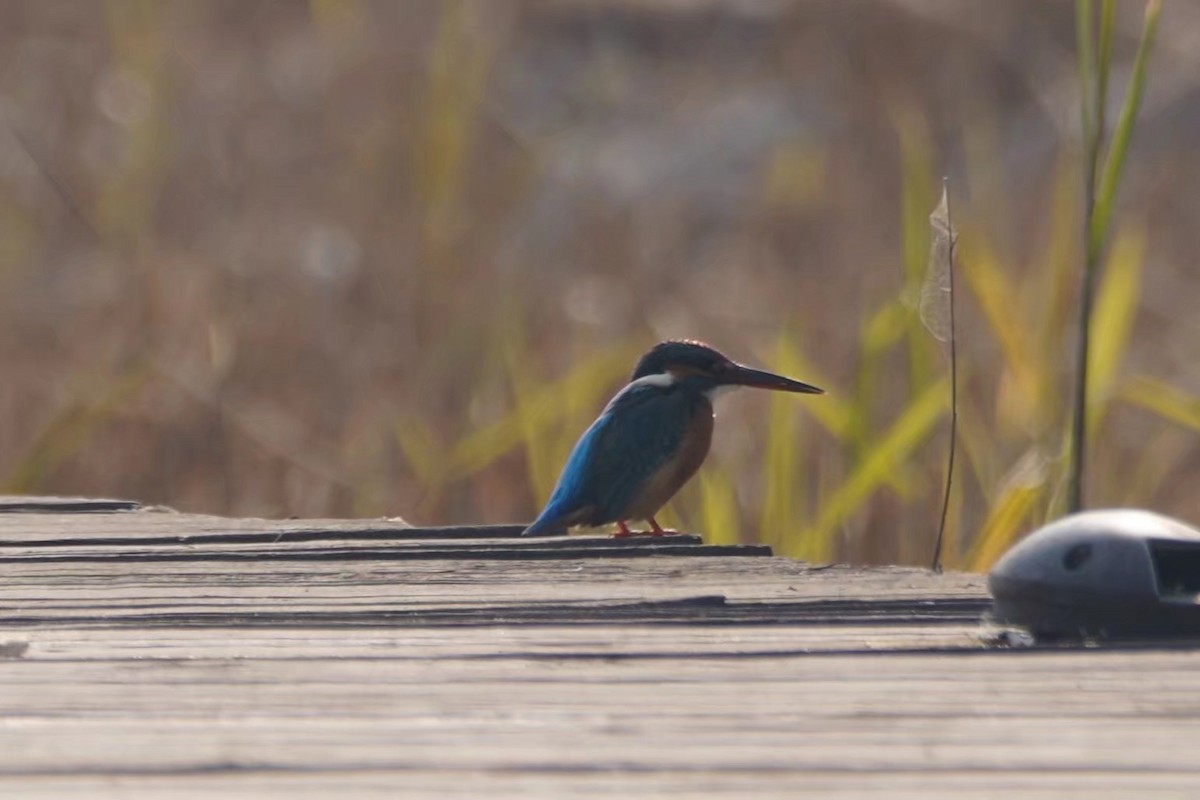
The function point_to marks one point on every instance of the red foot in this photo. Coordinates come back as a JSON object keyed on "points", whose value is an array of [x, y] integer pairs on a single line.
{"points": [[624, 530], [655, 530]]}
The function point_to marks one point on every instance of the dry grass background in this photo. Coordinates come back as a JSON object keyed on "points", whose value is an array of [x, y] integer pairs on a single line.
{"points": [[343, 257]]}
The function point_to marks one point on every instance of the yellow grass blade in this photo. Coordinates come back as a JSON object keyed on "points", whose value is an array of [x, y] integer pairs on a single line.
{"points": [[1163, 456], [783, 500], [997, 296], [1054, 296], [881, 332], [917, 197], [835, 410], [976, 441], [885, 327], [719, 521], [1009, 515], [460, 58], [1167, 401], [1086, 60], [890, 451], [531, 408], [1019, 405], [1112, 319], [1007, 518], [917, 191], [539, 412], [69, 430], [1114, 164], [423, 451]]}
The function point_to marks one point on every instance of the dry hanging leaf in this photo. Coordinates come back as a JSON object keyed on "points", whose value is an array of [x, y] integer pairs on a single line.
{"points": [[935, 292]]}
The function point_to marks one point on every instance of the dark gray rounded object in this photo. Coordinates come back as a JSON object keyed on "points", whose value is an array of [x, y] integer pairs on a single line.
{"points": [[1120, 573]]}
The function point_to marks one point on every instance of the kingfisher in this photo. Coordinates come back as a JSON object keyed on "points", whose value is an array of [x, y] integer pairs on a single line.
{"points": [[649, 440]]}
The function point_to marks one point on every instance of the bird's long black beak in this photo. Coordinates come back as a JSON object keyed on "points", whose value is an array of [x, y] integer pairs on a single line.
{"points": [[761, 379]]}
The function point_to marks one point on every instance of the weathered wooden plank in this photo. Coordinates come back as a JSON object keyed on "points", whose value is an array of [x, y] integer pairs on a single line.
{"points": [[306, 550], [34, 504], [551, 641], [454, 581], [369, 593], [151, 525], [698, 611], [1025, 713], [115, 534], [523, 784], [167, 536], [306, 658]]}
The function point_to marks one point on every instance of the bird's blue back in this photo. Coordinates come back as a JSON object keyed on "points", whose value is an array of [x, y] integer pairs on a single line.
{"points": [[642, 427]]}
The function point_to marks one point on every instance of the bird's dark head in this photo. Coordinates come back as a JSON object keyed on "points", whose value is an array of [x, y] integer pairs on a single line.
{"points": [[708, 368]]}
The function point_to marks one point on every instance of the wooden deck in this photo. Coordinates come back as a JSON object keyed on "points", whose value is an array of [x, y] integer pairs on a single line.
{"points": [[145, 653]]}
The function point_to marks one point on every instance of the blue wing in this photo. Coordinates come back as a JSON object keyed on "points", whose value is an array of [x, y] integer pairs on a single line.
{"points": [[570, 495], [639, 430]]}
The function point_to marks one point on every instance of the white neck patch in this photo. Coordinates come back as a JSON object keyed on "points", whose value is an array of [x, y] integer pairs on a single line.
{"points": [[662, 379], [717, 391]]}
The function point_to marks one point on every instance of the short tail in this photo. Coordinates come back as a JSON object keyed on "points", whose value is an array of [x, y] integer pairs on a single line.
{"points": [[546, 525]]}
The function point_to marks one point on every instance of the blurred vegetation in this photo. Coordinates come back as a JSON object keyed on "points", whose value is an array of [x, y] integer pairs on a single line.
{"points": [[1094, 43], [353, 257]]}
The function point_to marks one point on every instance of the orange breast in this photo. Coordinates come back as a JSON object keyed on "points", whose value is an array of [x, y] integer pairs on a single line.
{"points": [[682, 465]]}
